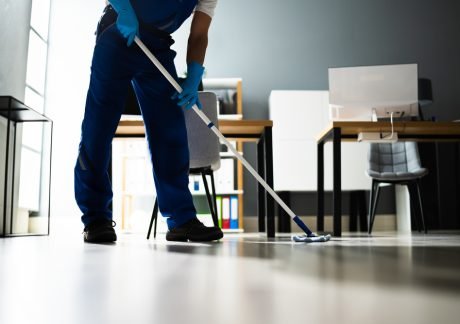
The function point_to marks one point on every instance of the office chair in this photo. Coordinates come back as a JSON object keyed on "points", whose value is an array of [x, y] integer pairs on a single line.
{"points": [[204, 150], [395, 163]]}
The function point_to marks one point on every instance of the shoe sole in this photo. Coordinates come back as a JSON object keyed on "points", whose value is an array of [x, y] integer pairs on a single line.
{"points": [[194, 238], [104, 237]]}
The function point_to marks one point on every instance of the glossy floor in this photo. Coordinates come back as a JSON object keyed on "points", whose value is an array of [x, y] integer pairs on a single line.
{"points": [[242, 279]]}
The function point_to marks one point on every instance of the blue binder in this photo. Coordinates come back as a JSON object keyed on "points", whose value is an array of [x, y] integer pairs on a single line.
{"points": [[233, 212]]}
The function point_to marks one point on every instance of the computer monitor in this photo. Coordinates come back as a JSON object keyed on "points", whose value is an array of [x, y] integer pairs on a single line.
{"points": [[373, 92]]}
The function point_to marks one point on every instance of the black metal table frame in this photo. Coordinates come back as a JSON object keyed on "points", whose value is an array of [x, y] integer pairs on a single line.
{"points": [[266, 203], [335, 135]]}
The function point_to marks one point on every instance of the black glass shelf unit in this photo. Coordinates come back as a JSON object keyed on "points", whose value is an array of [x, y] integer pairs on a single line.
{"points": [[25, 169]]}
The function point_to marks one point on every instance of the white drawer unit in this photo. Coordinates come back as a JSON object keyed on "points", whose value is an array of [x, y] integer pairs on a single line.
{"points": [[298, 117]]}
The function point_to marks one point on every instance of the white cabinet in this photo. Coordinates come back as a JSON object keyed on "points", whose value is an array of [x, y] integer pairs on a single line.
{"points": [[298, 118]]}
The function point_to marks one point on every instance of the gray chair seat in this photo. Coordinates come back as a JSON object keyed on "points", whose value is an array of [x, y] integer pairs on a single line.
{"points": [[397, 176], [204, 146]]}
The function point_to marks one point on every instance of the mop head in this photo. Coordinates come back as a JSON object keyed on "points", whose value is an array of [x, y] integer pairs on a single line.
{"points": [[313, 238]]}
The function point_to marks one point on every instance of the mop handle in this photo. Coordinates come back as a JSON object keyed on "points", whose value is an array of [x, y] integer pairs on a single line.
{"points": [[220, 136]]}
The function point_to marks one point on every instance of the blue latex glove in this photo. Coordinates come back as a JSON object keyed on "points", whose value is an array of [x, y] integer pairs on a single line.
{"points": [[127, 22], [189, 95]]}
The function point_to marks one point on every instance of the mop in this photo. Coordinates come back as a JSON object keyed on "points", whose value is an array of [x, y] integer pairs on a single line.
{"points": [[309, 236]]}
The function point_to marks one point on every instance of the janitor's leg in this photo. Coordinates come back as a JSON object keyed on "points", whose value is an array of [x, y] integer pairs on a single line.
{"points": [[167, 137], [110, 78]]}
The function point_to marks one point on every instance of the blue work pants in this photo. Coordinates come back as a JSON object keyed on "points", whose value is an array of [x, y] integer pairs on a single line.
{"points": [[114, 67]]}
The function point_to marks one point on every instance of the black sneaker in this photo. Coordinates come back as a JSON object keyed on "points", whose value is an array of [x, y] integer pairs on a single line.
{"points": [[195, 231], [100, 231]]}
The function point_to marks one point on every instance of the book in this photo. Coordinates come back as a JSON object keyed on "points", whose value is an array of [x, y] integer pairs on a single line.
{"points": [[224, 176], [225, 212], [219, 209], [234, 212], [196, 184]]}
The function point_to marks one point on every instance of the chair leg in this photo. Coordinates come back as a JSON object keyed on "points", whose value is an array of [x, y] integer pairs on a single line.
{"points": [[155, 210], [413, 205], [362, 211], [353, 227], [214, 197], [153, 219], [208, 196], [422, 217], [371, 205], [374, 206]]}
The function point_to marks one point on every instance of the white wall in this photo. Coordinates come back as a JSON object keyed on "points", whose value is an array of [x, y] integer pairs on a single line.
{"points": [[71, 43], [14, 37]]}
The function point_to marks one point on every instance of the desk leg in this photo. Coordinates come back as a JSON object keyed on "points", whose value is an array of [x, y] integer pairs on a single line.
{"points": [[7, 172], [320, 181], [284, 221], [269, 180], [13, 173], [260, 188], [337, 218]]}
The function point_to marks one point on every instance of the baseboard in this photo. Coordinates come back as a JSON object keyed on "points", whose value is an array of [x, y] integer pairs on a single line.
{"points": [[382, 223]]}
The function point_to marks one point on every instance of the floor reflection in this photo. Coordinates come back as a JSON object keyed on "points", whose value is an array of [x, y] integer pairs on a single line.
{"points": [[430, 263]]}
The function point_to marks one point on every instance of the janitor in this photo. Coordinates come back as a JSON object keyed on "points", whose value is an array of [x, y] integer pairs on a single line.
{"points": [[117, 65]]}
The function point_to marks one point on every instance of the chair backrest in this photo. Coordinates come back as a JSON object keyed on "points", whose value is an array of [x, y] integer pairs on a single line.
{"points": [[203, 144], [394, 157]]}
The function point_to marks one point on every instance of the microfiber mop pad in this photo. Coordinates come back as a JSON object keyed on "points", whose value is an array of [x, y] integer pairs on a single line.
{"points": [[312, 238]]}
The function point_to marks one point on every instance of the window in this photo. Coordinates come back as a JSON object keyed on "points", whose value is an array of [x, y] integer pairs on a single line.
{"points": [[37, 56], [36, 63], [32, 133], [40, 17]]}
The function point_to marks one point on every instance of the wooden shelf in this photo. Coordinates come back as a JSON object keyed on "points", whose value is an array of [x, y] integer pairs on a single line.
{"points": [[228, 154], [226, 193], [230, 116], [233, 231]]}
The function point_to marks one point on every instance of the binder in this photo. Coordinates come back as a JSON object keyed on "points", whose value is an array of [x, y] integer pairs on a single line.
{"points": [[226, 212], [219, 209], [224, 177], [234, 212], [195, 184]]}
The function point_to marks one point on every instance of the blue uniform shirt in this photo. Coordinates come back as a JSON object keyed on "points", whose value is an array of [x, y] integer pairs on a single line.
{"points": [[167, 15]]}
